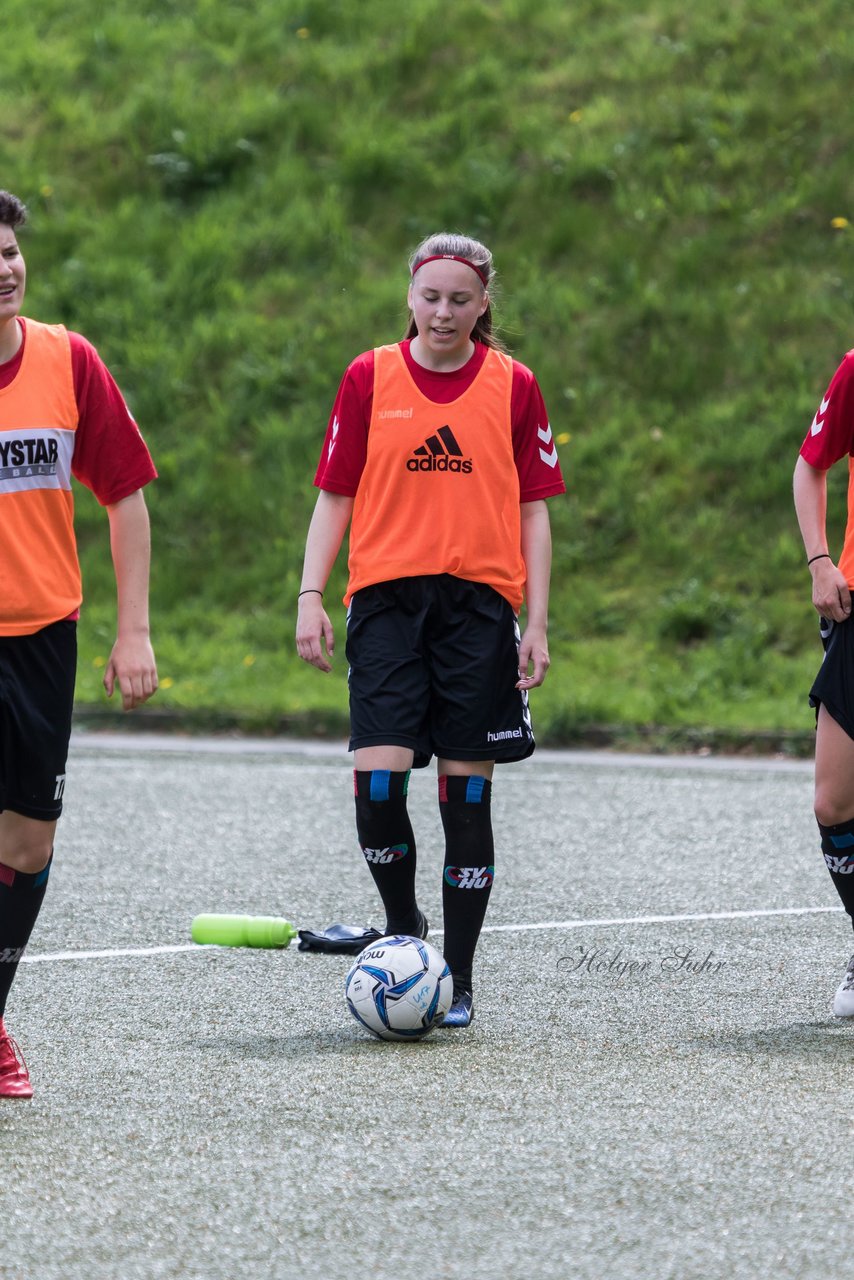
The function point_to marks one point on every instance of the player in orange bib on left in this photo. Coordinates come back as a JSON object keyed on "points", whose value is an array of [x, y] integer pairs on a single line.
{"points": [[61, 414], [440, 449]]}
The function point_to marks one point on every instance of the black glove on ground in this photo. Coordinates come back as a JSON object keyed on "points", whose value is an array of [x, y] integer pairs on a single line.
{"points": [[339, 939]]}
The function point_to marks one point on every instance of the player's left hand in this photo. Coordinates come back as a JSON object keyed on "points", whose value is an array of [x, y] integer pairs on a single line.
{"points": [[533, 658], [133, 668]]}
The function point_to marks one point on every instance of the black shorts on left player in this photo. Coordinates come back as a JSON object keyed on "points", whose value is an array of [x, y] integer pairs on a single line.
{"points": [[37, 675], [834, 684], [434, 662]]}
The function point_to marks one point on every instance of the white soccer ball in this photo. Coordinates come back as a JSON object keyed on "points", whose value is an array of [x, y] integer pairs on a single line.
{"points": [[399, 988]]}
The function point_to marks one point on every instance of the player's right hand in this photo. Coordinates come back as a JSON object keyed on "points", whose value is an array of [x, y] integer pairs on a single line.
{"points": [[830, 592], [314, 631]]}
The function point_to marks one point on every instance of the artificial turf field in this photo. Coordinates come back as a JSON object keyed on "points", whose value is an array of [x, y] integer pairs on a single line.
{"points": [[653, 1086]]}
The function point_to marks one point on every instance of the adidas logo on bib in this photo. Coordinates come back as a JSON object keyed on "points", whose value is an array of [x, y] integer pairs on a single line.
{"points": [[439, 453]]}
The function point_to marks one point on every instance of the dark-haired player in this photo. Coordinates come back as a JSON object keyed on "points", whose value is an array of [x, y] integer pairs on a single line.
{"points": [[61, 414]]}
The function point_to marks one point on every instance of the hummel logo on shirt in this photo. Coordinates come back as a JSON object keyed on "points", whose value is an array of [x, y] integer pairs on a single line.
{"points": [[439, 453], [818, 420], [333, 439], [549, 457]]}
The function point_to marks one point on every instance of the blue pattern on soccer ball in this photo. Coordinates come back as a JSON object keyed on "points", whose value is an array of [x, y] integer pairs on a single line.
{"points": [[399, 988]]}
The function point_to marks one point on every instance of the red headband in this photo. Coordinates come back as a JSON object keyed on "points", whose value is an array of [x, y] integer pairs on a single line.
{"points": [[437, 257]]}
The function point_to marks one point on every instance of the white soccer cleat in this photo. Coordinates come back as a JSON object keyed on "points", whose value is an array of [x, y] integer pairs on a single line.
{"points": [[843, 1001]]}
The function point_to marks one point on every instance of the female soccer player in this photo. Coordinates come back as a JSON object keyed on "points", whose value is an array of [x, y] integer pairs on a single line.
{"points": [[439, 448], [829, 438], [61, 414]]}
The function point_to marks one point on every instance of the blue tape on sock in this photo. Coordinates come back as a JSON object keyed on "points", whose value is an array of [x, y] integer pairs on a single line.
{"points": [[474, 789], [380, 784], [42, 876]]}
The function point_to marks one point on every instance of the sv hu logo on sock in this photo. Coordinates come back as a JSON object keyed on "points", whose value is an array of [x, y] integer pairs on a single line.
{"points": [[470, 877], [393, 853], [839, 866]]}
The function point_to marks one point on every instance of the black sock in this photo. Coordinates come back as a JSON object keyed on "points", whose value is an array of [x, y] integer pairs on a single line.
{"points": [[837, 845], [21, 897], [385, 834], [464, 803]]}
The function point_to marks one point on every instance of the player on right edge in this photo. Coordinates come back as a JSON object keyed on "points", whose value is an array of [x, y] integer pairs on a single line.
{"points": [[829, 438]]}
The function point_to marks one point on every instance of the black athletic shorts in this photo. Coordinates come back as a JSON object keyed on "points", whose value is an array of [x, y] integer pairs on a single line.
{"points": [[834, 684], [36, 694], [434, 662]]}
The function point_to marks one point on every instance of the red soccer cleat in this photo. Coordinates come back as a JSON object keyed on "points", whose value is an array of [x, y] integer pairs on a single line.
{"points": [[14, 1077]]}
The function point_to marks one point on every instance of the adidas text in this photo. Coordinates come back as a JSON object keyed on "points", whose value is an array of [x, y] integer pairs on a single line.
{"points": [[443, 463]]}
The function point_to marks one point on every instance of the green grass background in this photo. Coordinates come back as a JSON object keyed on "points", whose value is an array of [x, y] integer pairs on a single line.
{"points": [[223, 196]]}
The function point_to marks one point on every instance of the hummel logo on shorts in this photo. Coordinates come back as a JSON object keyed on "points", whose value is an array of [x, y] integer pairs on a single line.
{"points": [[439, 453]]}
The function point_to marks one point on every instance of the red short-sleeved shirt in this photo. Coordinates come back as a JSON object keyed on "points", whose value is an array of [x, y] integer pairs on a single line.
{"points": [[831, 437], [831, 434], [345, 447]]}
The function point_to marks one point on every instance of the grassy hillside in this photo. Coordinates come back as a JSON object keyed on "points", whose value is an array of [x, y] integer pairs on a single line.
{"points": [[223, 196]]}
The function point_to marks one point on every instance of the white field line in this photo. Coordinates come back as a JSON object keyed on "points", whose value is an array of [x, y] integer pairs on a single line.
{"points": [[624, 920], [114, 952], [108, 954]]}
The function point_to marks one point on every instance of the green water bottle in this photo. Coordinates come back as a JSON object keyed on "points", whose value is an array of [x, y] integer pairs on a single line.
{"points": [[242, 931]]}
